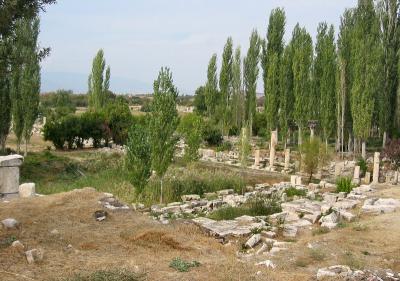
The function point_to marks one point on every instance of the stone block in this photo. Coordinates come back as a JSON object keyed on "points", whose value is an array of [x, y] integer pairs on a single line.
{"points": [[27, 190]]}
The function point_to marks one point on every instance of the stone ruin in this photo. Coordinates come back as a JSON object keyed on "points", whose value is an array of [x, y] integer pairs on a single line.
{"points": [[9, 179]]}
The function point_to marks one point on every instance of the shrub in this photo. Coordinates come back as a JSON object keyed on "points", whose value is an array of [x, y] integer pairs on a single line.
{"points": [[190, 128], [344, 184], [212, 136], [363, 166], [119, 119], [314, 154]]}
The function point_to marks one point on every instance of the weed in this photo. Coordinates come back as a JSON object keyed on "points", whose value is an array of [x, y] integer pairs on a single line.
{"points": [[104, 275], [317, 254], [360, 227], [344, 184], [292, 192], [183, 266], [350, 260], [320, 230], [6, 242]]}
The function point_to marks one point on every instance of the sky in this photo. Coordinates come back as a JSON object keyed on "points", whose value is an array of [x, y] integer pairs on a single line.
{"points": [[140, 36]]}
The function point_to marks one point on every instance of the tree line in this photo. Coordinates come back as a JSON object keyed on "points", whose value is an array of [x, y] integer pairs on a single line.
{"points": [[348, 87]]}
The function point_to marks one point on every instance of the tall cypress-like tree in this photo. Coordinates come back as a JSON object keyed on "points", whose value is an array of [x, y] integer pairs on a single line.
{"points": [[225, 86], [251, 72], [5, 100], [325, 79], [271, 60], [25, 79], [367, 61], [237, 104], [389, 21], [99, 82], [211, 90], [302, 63], [164, 121], [286, 99], [345, 78]]}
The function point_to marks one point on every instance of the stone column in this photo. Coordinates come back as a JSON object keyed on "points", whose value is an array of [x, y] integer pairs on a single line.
{"points": [[367, 179], [375, 175], [272, 151], [287, 159], [257, 158], [363, 151], [356, 177], [9, 174]]}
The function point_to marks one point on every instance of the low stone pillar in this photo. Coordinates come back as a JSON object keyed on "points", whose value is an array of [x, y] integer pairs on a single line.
{"points": [[272, 151], [298, 180], [293, 180], [356, 177], [338, 169], [367, 179], [375, 175], [9, 174], [287, 159], [257, 158]]}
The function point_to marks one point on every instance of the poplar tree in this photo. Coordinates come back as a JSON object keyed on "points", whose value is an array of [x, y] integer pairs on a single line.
{"points": [[271, 60], [25, 79], [367, 70], [211, 88], [345, 77], [302, 62], [389, 20], [237, 104], [225, 86], [286, 99], [99, 83], [250, 78], [163, 123], [5, 100], [325, 79]]}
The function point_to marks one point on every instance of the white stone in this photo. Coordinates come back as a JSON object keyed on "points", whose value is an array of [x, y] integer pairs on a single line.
{"points": [[267, 263], [18, 245], [34, 255], [262, 249], [10, 223], [191, 197], [11, 160], [27, 190], [375, 176], [337, 271], [253, 240], [289, 231], [287, 159]]}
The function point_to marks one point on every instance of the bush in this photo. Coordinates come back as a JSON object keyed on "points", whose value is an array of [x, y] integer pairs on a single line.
{"points": [[119, 119], [212, 136], [344, 185], [314, 154], [190, 128], [363, 166], [74, 130]]}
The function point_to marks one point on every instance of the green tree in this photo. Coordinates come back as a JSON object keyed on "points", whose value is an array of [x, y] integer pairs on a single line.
{"points": [[25, 79], [238, 99], [388, 11], [99, 82], [325, 79], [367, 61], [251, 72], [191, 129], [5, 101], [286, 99], [138, 156], [119, 119], [302, 62], [164, 121], [225, 87], [271, 60], [200, 101], [212, 86]]}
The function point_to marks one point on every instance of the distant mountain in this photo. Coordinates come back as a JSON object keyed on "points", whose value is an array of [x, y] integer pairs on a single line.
{"points": [[77, 82]]}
